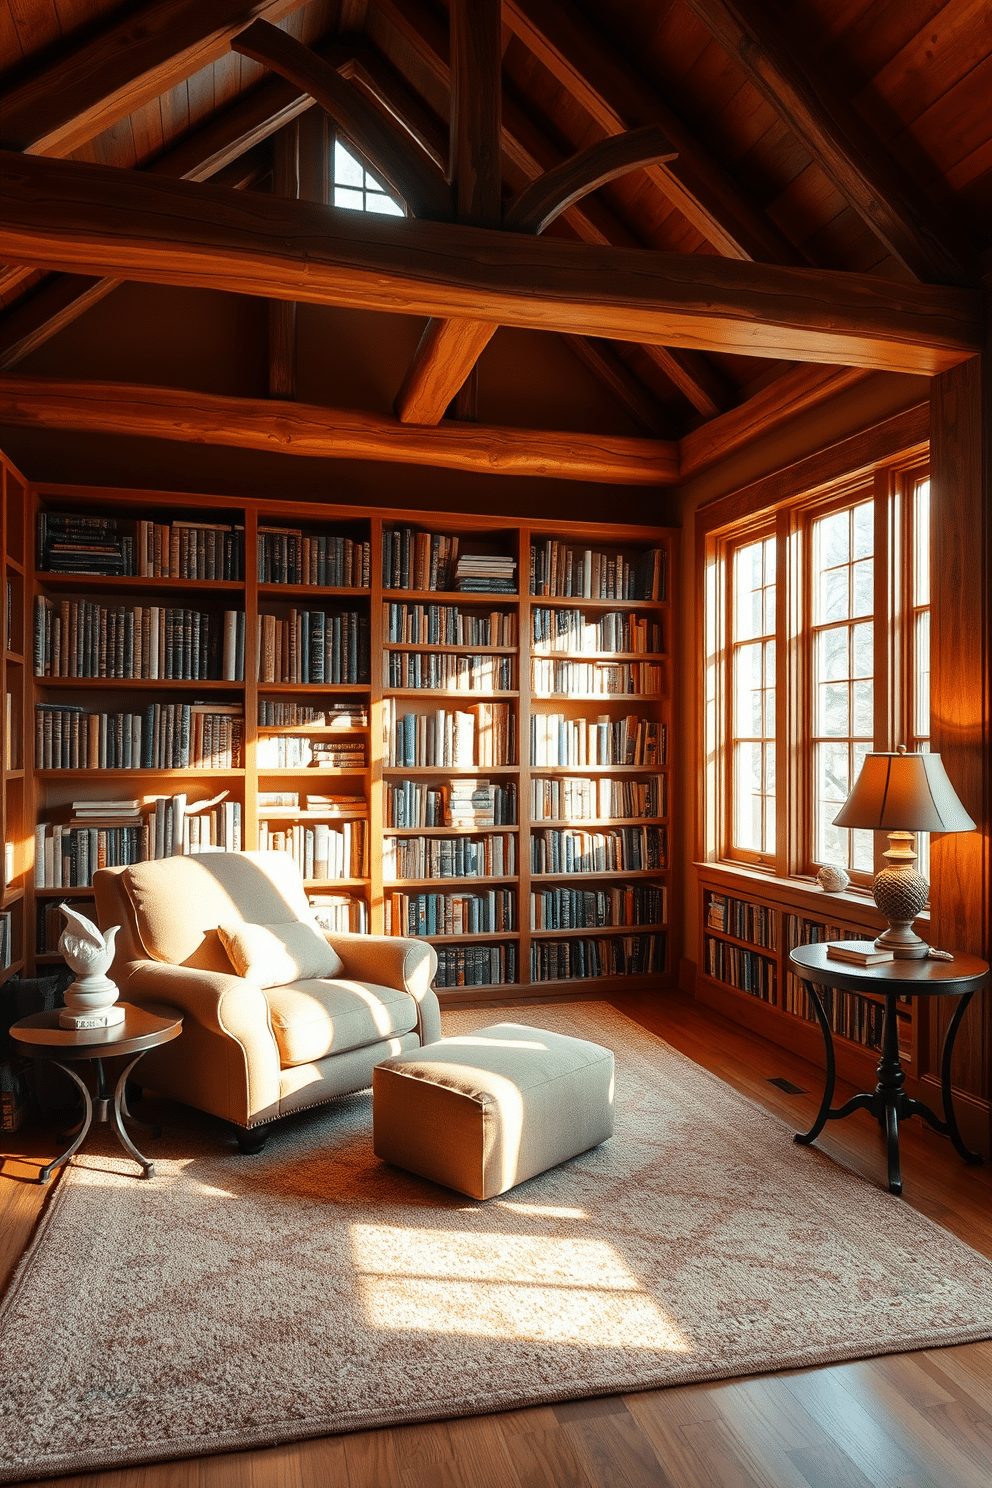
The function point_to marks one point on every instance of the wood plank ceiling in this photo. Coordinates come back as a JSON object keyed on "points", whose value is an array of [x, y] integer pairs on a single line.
{"points": [[839, 135]]}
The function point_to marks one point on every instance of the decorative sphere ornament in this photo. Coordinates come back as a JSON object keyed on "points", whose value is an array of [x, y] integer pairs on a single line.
{"points": [[832, 880], [91, 1001]]}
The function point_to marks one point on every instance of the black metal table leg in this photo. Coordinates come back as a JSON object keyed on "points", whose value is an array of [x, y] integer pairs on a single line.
{"points": [[119, 1105], [82, 1129]]}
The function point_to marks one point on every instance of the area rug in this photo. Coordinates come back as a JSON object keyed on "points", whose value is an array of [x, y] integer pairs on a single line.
{"points": [[238, 1301]]}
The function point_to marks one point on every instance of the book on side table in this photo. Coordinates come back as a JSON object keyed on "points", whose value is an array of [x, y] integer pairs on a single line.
{"points": [[858, 952]]}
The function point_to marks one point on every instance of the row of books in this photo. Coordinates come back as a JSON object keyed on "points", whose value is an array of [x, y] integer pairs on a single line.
{"points": [[580, 958], [448, 625], [165, 736], [617, 849], [620, 904], [450, 914], [573, 632], [288, 555], [6, 939], [189, 550], [282, 805], [753, 922], [596, 798], [10, 638], [553, 677], [343, 914], [51, 921], [596, 573], [71, 542], [314, 647], [11, 752], [853, 1017], [745, 970], [77, 638], [491, 856], [485, 573], [476, 966], [321, 851], [560, 741], [468, 802], [444, 669], [484, 734], [417, 560], [67, 856], [301, 752], [335, 715]]}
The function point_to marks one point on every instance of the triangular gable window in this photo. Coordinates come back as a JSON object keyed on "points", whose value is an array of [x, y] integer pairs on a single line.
{"points": [[357, 188]]}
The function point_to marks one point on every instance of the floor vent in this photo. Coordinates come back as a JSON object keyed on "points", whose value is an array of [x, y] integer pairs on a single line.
{"points": [[788, 1086]]}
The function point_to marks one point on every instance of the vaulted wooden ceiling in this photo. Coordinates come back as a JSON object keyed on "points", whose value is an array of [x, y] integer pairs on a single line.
{"points": [[852, 137]]}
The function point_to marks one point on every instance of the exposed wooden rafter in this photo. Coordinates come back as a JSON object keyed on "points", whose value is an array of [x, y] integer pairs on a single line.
{"points": [[282, 313], [94, 220], [337, 434], [618, 99], [446, 356], [627, 390], [410, 172], [138, 57], [535, 207], [871, 180]]}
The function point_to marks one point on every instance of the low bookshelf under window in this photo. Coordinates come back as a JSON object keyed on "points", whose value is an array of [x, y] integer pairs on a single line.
{"points": [[746, 934]]}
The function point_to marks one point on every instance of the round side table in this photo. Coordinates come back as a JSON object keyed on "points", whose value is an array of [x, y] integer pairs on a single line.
{"points": [[40, 1037], [888, 1102]]}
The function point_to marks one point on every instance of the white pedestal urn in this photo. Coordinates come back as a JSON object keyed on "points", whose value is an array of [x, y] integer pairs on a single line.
{"points": [[91, 1001]]}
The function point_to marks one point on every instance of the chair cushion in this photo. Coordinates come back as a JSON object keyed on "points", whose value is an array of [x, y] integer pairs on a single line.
{"points": [[317, 1017], [179, 902], [273, 955]]}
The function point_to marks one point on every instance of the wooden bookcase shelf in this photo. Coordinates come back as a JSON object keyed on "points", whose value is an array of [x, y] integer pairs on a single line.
{"points": [[45, 796], [744, 971]]}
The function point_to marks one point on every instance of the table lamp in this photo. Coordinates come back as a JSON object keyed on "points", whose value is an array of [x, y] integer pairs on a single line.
{"points": [[901, 794]]}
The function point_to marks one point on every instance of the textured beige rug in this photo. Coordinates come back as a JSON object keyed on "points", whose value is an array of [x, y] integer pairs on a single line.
{"points": [[236, 1301]]}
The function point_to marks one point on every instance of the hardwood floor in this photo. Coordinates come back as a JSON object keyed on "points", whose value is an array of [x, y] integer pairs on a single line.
{"points": [[921, 1420]]}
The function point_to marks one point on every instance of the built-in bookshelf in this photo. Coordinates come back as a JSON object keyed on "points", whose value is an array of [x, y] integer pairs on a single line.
{"points": [[464, 761], [746, 934]]}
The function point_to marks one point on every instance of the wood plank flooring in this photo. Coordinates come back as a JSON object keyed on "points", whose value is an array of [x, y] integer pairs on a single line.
{"points": [[921, 1420]]}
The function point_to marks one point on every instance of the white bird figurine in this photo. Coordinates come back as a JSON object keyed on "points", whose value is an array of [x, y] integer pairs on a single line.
{"points": [[91, 1001], [88, 951]]}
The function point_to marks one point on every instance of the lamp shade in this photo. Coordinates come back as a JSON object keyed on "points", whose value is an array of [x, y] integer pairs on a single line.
{"points": [[903, 793]]}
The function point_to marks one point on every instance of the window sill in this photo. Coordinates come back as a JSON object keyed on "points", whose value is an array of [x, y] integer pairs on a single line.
{"points": [[802, 894]]}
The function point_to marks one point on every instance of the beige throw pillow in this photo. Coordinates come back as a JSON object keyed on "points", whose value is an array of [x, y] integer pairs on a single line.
{"points": [[274, 955]]}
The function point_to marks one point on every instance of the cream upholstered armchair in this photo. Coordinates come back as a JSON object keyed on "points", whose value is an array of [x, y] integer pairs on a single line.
{"points": [[251, 1052]]}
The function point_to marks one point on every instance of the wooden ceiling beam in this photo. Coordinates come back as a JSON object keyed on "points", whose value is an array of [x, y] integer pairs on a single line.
{"points": [[95, 220], [391, 92], [535, 207], [132, 60], [329, 433], [618, 99], [59, 300], [445, 356], [872, 181], [411, 173]]}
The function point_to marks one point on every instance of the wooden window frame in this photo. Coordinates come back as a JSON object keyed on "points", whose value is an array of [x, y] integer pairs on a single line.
{"points": [[892, 488]]}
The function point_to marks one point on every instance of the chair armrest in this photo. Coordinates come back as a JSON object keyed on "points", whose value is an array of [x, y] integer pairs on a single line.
{"points": [[394, 961], [224, 1003]]}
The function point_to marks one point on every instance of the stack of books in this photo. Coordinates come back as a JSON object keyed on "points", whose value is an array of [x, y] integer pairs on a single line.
{"points": [[69, 542], [343, 715], [287, 805], [342, 914], [858, 952], [339, 754], [485, 573], [470, 803]]}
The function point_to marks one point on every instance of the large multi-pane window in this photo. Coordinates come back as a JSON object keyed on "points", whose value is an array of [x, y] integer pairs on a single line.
{"points": [[817, 642]]}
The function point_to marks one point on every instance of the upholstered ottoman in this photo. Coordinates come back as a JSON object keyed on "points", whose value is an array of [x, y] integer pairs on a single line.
{"points": [[483, 1111]]}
